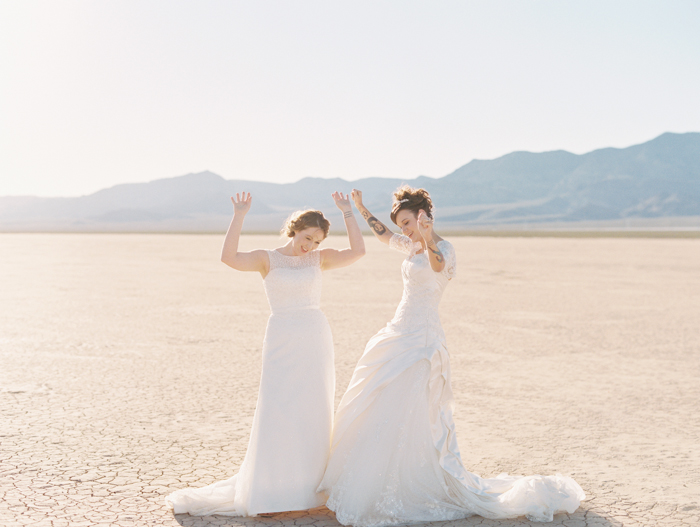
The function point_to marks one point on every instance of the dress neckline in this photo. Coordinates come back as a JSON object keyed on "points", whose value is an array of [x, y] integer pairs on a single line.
{"points": [[288, 256]]}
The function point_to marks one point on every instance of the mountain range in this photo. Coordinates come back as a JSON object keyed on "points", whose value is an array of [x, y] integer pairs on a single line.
{"points": [[656, 183]]}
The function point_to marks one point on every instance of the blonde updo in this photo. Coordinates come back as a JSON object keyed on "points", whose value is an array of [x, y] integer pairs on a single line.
{"points": [[413, 199], [303, 219]]}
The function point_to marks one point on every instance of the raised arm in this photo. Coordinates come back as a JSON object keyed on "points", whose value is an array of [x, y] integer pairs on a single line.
{"points": [[425, 227], [230, 255], [333, 258], [378, 228]]}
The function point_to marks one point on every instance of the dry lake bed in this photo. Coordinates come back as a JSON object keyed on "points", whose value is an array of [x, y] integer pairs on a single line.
{"points": [[129, 367]]}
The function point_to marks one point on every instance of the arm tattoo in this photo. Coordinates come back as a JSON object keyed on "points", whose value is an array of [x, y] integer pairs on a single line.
{"points": [[347, 214], [376, 225], [434, 249]]}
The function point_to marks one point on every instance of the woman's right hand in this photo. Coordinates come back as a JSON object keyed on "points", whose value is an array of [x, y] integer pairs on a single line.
{"points": [[241, 203], [356, 196]]}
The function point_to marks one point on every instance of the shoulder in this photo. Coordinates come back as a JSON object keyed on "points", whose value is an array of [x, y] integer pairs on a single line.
{"points": [[324, 255], [274, 257], [448, 251], [400, 243], [326, 251], [444, 244], [262, 255]]}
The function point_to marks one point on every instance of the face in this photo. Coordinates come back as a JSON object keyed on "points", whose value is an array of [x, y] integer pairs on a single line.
{"points": [[407, 220], [307, 240]]}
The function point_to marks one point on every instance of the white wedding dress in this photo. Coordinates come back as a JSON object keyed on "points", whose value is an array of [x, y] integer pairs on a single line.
{"points": [[394, 454], [290, 440]]}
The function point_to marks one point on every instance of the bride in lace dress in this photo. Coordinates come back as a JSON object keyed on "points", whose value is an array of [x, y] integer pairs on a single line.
{"points": [[394, 454], [290, 439]]}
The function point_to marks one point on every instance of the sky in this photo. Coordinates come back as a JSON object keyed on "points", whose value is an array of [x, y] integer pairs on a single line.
{"points": [[93, 94]]}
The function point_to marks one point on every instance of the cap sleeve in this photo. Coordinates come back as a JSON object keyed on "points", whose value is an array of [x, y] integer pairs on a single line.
{"points": [[401, 243], [274, 259], [448, 251]]}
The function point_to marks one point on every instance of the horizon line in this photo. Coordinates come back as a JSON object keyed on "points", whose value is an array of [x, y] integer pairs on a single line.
{"points": [[342, 179]]}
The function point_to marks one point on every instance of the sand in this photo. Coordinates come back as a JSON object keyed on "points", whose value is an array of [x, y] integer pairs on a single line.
{"points": [[129, 367]]}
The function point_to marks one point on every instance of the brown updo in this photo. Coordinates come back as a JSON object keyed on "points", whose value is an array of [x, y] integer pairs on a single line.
{"points": [[303, 219], [413, 199]]}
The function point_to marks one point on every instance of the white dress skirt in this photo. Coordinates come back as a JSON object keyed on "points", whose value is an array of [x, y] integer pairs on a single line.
{"points": [[394, 454], [290, 439]]}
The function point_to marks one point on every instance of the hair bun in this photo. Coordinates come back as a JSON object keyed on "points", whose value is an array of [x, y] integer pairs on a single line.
{"points": [[413, 199]]}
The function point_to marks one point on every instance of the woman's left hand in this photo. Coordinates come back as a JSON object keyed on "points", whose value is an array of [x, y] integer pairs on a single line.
{"points": [[425, 226], [342, 201]]}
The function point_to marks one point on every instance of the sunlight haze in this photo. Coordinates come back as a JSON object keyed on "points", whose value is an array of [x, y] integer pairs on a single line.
{"points": [[94, 94]]}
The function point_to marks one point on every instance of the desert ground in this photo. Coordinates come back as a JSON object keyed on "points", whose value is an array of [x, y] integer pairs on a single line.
{"points": [[129, 367]]}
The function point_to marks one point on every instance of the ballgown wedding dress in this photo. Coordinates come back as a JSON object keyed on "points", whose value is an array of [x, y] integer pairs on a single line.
{"points": [[394, 455], [290, 440]]}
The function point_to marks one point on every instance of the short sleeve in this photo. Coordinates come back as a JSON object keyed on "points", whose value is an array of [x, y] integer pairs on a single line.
{"points": [[448, 251], [401, 243]]}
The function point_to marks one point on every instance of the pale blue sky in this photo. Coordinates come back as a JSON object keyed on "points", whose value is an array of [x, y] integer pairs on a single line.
{"points": [[95, 93]]}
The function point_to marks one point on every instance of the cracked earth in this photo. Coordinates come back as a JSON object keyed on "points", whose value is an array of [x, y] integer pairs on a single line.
{"points": [[129, 367]]}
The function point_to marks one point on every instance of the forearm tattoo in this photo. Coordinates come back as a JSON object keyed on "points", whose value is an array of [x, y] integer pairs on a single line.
{"points": [[377, 226], [348, 214], [434, 249]]}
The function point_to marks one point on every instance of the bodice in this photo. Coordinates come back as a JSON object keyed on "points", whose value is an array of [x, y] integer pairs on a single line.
{"points": [[293, 282], [422, 287]]}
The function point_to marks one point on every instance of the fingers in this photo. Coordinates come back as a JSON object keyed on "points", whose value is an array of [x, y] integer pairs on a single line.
{"points": [[241, 197]]}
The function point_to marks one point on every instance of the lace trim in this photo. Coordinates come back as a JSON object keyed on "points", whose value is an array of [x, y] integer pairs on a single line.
{"points": [[448, 251], [401, 243]]}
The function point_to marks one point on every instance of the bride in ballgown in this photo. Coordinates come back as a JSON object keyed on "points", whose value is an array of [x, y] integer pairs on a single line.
{"points": [[290, 439], [394, 454]]}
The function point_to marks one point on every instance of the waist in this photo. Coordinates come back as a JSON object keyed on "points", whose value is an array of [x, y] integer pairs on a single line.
{"points": [[293, 310]]}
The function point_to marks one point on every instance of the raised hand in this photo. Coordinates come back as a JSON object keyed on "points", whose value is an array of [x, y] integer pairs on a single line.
{"points": [[342, 201], [357, 198], [425, 226], [241, 203]]}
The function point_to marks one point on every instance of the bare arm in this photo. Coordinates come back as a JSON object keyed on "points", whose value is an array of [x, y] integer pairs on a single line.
{"points": [[230, 255], [425, 227], [378, 228], [332, 258]]}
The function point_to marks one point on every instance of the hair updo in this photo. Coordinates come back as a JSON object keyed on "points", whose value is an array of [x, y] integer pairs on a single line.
{"points": [[303, 219], [413, 199]]}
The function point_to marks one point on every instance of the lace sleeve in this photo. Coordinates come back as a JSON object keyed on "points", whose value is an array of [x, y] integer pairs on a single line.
{"points": [[401, 243], [448, 251]]}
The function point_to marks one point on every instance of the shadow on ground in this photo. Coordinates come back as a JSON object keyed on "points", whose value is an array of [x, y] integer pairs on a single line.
{"points": [[322, 517]]}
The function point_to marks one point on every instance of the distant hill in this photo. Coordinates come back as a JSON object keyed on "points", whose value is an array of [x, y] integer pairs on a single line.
{"points": [[656, 183]]}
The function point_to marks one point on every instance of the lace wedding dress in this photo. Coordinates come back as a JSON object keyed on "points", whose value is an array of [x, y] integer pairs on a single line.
{"points": [[290, 440], [394, 454]]}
